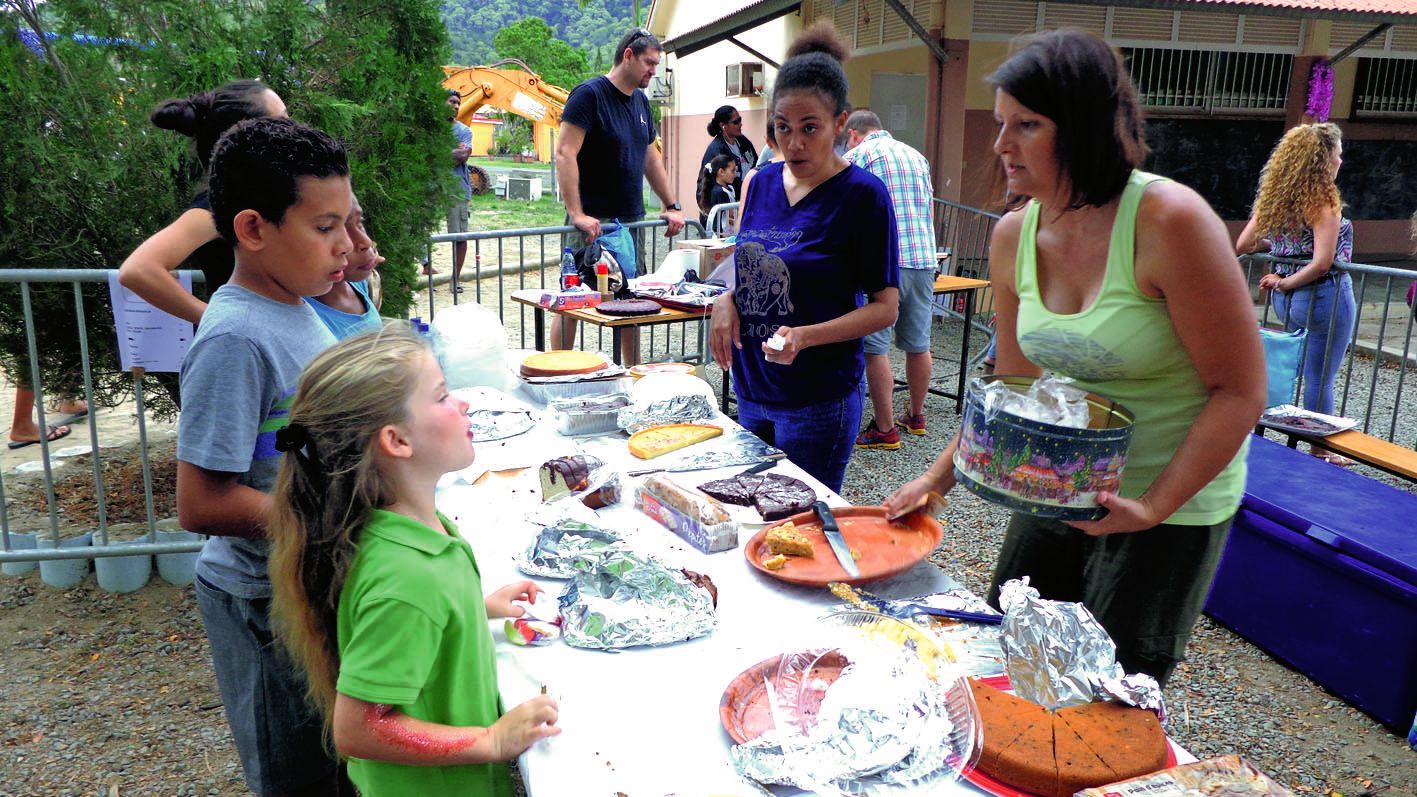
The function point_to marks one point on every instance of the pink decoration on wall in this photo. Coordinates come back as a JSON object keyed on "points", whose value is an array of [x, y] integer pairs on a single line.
{"points": [[1320, 101]]}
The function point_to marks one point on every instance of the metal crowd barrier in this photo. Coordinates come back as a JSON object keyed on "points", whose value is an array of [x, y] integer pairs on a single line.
{"points": [[1376, 361], [495, 268], [24, 279]]}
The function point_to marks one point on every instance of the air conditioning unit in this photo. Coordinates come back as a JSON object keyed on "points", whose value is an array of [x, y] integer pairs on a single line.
{"points": [[524, 188], [743, 79], [661, 87]]}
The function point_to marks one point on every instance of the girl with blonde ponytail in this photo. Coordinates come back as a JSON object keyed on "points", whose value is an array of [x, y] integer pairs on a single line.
{"points": [[377, 597]]}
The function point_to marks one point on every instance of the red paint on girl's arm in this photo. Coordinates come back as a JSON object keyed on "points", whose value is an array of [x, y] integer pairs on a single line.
{"points": [[384, 722]]}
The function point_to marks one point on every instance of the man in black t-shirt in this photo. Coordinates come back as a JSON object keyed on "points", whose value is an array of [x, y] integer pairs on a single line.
{"points": [[604, 152]]}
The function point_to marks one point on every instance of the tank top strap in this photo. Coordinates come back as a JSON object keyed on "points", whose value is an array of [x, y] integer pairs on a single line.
{"points": [[1026, 258], [1122, 246]]}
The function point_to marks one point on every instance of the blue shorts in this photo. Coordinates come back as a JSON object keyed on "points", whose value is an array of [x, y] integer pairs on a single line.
{"points": [[278, 735], [912, 324], [818, 438]]}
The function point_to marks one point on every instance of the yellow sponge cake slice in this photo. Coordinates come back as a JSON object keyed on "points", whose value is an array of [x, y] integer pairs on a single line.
{"points": [[656, 440]]}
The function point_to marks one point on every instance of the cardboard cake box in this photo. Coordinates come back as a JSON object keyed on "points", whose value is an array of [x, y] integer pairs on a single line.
{"points": [[712, 251]]}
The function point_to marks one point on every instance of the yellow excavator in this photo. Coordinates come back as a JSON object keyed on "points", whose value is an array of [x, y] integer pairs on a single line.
{"points": [[510, 86]]}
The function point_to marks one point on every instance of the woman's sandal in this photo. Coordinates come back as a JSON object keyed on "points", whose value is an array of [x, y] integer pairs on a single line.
{"points": [[1339, 460]]}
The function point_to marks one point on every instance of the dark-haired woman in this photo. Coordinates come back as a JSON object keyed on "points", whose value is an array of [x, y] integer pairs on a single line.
{"points": [[726, 127], [1125, 282], [193, 237], [816, 233]]}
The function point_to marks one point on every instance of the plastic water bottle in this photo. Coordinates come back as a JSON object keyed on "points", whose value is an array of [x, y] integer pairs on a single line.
{"points": [[569, 275]]}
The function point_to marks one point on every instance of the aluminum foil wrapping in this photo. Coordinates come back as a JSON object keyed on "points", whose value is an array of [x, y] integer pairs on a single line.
{"points": [[621, 599], [1059, 655], [1050, 399], [883, 724], [556, 549], [689, 408]]}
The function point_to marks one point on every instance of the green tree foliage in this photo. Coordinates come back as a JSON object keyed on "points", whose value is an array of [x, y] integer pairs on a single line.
{"points": [[591, 29], [84, 177], [533, 42]]}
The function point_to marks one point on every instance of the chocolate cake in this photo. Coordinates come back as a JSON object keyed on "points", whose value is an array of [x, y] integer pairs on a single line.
{"points": [[628, 307], [774, 496], [571, 474]]}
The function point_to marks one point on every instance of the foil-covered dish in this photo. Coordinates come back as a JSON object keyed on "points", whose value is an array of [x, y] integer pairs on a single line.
{"points": [[875, 711], [689, 408], [494, 414], [556, 549], [1058, 655], [621, 598]]}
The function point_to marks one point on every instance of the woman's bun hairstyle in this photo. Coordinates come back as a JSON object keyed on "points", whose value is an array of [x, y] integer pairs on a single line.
{"points": [[820, 37], [814, 64], [204, 117]]}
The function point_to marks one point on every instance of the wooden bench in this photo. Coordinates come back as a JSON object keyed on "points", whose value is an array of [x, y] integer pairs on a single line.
{"points": [[1356, 445]]}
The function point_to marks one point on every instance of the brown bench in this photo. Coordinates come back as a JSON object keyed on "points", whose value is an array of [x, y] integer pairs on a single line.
{"points": [[1369, 450]]}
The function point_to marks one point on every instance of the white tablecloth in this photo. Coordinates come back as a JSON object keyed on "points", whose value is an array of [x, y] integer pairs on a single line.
{"points": [[644, 721]]}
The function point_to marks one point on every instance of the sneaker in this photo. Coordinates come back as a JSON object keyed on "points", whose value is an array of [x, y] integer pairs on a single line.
{"points": [[871, 437], [914, 424]]}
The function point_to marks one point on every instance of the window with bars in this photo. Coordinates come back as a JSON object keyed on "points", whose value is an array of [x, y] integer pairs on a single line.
{"points": [[1209, 81], [1386, 86]]}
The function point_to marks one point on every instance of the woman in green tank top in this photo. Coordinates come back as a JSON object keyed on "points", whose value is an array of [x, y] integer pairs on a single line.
{"points": [[1125, 282]]}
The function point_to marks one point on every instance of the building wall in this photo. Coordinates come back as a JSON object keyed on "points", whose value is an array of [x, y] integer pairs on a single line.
{"points": [[698, 86]]}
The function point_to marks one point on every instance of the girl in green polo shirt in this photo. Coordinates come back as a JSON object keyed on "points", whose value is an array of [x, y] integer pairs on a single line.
{"points": [[376, 594]]}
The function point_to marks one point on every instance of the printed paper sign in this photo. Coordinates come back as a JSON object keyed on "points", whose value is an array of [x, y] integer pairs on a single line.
{"points": [[148, 337]]}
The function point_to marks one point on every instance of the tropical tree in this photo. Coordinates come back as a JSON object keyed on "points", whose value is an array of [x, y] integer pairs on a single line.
{"points": [[84, 177], [534, 42]]}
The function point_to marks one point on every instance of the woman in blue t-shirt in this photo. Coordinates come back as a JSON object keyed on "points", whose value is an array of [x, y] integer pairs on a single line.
{"points": [[815, 272]]}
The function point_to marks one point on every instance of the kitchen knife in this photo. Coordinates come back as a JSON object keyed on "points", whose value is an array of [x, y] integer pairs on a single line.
{"points": [[835, 540]]}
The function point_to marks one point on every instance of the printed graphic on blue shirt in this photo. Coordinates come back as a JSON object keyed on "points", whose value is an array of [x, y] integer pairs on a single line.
{"points": [[765, 286]]}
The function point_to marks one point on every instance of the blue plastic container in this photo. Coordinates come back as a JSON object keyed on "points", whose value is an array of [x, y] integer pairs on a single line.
{"points": [[1321, 571], [1040, 468]]}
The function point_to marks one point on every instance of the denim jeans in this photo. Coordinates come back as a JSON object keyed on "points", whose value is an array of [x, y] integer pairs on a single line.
{"points": [[278, 734], [817, 437], [1328, 311]]}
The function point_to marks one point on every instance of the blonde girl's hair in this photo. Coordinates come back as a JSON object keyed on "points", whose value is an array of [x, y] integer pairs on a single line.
{"points": [[1297, 185], [327, 486]]}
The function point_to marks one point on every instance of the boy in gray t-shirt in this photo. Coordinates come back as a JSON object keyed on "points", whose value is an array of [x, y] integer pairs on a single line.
{"points": [[280, 194]]}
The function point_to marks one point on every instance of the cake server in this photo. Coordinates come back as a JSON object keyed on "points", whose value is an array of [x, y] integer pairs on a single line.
{"points": [[904, 610], [837, 542]]}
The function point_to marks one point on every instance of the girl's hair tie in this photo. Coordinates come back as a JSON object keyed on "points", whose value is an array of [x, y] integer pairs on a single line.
{"points": [[292, 438]]}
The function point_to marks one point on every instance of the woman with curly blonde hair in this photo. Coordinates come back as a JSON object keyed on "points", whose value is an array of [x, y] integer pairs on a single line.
{"points": [[1298, 213]]}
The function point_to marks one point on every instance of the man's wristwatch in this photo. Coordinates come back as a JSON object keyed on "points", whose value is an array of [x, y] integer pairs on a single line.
{"points": [[674, 206]]}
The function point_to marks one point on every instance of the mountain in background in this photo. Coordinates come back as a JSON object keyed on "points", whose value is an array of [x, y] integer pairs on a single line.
{"points": [[593, 29]]}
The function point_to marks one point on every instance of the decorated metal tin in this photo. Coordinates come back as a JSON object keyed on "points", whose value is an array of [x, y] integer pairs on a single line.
{"points": [[1039, 468]]}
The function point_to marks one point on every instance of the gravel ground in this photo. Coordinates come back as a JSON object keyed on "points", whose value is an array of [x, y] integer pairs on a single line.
{"points": [[113, 694]]}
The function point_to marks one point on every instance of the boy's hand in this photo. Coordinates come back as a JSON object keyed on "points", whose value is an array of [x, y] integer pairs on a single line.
{"points": [[524, 725], [500, 603]]}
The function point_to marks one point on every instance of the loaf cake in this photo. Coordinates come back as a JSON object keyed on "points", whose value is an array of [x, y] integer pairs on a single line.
{"points": [[786, 539], [571, 474], [774, 495], [562, 363], [1057, 753], [657, 440]]}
